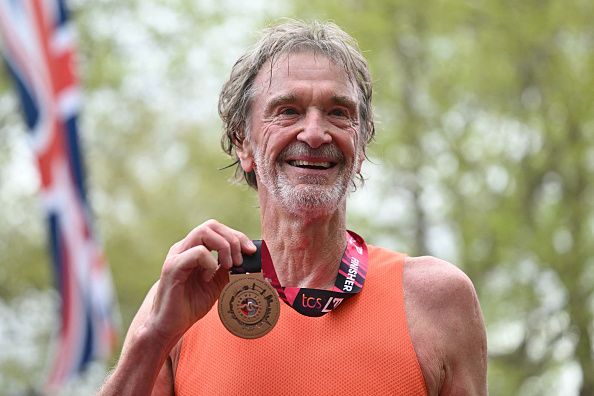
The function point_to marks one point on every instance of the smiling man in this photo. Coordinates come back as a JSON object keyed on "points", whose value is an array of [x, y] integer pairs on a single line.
{"points": [[356, 318], [307, 146]]}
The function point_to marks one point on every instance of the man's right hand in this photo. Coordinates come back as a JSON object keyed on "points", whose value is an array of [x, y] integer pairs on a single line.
{"points": [[192, 277], [191, 281]]}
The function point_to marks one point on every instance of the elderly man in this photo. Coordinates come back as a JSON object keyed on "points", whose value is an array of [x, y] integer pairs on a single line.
{"points": [[355, 318]]}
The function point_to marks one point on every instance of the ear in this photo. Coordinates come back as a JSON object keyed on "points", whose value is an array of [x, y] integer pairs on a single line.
{"points": [[246, 157]]}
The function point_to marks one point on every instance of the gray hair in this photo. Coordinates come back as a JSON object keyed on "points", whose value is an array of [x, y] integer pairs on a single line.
{"points": [[290, 37]]}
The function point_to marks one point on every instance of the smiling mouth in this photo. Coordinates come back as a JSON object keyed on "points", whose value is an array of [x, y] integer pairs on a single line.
{"points": [[311, 165]]}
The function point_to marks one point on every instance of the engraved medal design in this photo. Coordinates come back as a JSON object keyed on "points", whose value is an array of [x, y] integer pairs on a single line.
{"points": [[248, 306]]}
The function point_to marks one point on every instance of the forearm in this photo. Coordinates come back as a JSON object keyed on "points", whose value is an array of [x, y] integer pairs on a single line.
{"points": [[138, 367], [190, 283]]}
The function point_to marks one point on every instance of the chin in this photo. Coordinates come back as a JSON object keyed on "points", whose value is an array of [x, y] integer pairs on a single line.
{"points": [[311, 200], [308, 196]]}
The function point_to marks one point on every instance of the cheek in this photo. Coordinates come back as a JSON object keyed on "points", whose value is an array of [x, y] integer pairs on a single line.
{"points": [[348, 142], [274, 139]]}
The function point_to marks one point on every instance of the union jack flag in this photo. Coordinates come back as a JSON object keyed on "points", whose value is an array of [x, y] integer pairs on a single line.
{"points": [[39, 53]]}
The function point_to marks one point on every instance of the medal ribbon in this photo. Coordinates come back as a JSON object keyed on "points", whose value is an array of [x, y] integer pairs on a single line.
{"points": [[318, 302]]}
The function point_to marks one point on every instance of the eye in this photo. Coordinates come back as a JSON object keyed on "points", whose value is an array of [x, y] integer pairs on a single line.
{"points": [[339, 112], [288, 111]]}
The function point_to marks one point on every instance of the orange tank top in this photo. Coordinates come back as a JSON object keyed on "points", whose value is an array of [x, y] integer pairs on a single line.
{"points": [[363, 347]]}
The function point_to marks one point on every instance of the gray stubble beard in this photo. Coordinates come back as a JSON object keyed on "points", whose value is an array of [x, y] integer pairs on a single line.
{"points": [[311, 197]]}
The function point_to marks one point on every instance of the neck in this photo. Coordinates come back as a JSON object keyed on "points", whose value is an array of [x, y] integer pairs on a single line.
{"points": [[305, 250]]}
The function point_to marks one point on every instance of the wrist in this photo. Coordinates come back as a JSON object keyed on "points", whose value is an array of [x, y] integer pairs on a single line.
{"points": [[154, 336], [139, 365]]}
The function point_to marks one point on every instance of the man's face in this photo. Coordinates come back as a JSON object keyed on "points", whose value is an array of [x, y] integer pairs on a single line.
{"points": [[304, 141]]}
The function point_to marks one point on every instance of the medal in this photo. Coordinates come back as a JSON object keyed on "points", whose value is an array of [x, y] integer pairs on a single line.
{"points": [[248, 305]]}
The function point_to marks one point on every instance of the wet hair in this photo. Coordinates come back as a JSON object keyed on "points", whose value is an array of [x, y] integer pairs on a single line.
{"points": [[323, 38]]}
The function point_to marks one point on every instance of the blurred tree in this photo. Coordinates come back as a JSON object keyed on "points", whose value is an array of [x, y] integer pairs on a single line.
{"points": [[486, 135]]}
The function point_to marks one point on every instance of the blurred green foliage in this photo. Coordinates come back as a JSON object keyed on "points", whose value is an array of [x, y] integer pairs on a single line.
{"points": [[485, 151], [487, 130]]}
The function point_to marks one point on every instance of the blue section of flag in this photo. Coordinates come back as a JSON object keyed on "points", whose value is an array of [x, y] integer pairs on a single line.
{"points": [[55, 249], [87, 347], [28, 103], [75, 157], [62, 12]]}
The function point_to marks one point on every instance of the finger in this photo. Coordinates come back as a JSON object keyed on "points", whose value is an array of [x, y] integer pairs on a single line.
{"points": [[220, 278], [176, 248], [209, 272], [238, 243], [196, 236], [202, 235], [247, 246], [179, 267], [221, 243]]}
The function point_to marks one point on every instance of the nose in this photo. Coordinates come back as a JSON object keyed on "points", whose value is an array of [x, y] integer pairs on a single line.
{"points": [[315, 129]]}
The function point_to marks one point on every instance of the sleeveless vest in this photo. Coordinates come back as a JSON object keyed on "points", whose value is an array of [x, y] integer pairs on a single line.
{"points": [[362, 347]]}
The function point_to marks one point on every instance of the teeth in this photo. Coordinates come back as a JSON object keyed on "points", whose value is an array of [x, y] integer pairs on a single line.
{"points": [[312, 164]]}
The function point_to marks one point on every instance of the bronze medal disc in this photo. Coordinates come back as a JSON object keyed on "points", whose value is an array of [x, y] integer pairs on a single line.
{"points": [[248, 306]]}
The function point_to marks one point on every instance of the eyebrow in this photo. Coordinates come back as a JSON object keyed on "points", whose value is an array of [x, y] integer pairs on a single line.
{"points": [[280, 100], [345, 101]]}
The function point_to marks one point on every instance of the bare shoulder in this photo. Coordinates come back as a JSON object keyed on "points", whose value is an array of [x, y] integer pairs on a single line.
{"points": [[446, 326], [439, 291], [437, 282]]}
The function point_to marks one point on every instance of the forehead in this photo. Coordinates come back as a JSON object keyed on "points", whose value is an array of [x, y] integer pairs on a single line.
{"points": [[303, 70]]}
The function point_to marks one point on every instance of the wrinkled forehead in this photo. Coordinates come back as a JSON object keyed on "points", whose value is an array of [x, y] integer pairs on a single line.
{"points": [[292, 62]]}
